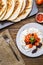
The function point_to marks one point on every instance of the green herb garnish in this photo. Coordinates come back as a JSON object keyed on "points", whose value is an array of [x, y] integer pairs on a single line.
{"points": [[32, 40]]}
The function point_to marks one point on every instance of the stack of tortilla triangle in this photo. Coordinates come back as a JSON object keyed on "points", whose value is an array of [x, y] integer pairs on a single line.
{"points": [[15, 10]]}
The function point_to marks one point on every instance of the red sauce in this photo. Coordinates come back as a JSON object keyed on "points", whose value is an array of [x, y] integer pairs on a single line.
{"points": [[40, 17]]}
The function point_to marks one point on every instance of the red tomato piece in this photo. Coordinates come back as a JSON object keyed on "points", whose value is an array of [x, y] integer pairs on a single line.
{"points": [[30, 45]]}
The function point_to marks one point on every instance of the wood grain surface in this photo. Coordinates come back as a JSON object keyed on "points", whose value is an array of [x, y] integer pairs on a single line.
{"points": [[13, 31]]}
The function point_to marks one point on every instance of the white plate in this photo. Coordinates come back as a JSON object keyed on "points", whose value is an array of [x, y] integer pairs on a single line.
{"points": [[29, 54]]}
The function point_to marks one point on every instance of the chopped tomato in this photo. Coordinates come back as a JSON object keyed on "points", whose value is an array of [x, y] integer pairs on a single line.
{"points": [[30, 45], [36, 44], [27, 37], [38, 40], [35, 35]]}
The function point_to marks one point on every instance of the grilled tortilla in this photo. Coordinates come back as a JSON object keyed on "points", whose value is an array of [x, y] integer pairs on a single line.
{"points": [[25, 12], [10, 8], [3, 5], [16, 10]]}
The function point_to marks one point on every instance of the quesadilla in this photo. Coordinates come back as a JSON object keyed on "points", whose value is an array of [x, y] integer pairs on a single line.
{"points": [[16, 10], [25, 12], [10, 8], [3, 5]]}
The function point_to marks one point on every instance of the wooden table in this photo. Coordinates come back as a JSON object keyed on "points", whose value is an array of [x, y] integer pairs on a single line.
{"points": [[14, 29]]}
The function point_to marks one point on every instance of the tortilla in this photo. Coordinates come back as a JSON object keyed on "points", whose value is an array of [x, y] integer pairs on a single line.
{"points": [[10, 8], [16, 10], [3, 5], [25, 12]]}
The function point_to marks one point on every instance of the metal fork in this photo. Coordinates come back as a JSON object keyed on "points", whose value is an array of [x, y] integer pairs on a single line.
{"points": [[8, 41]]}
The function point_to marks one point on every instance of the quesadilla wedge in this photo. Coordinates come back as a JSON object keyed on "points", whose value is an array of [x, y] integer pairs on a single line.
{"points": [[2, 15], [25, 12], [3, 5], [23, 6], [16, 10], [10, 8]]}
